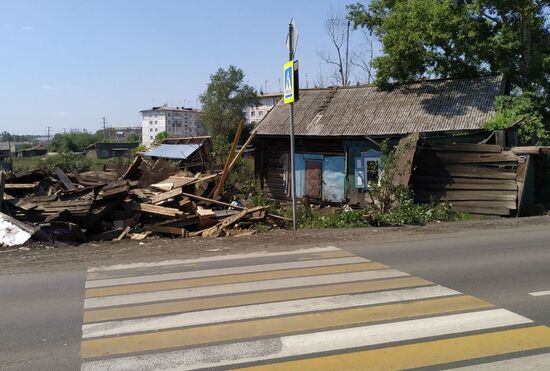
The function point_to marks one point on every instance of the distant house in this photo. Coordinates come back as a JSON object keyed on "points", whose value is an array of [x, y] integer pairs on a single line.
{"points": [[121, 134], [109, 150], [38, 150], [338, 132], [189, 152]]}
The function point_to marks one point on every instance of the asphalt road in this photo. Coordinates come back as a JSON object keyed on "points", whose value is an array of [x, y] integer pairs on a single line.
{"points": [[41, 314]]}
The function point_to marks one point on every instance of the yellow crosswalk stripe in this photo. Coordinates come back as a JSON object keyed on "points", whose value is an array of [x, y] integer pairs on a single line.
{"points": [[181, 306], [201, 335], [232, 278], [424, 354]]}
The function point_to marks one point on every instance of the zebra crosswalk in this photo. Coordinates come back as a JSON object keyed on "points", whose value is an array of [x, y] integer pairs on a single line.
{"points": [[319, 308]]}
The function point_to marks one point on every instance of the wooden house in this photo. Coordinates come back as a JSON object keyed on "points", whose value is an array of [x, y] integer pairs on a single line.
{"points": [[339, 131]]}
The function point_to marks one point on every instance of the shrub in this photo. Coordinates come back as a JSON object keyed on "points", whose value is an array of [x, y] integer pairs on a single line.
{"points": [[68, 162], [343, 219]]}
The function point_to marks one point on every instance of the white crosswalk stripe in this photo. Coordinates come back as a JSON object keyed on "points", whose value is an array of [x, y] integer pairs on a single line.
{"points": [[187, 314]]}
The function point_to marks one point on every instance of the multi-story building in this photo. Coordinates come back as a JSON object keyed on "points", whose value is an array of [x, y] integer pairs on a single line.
{"points": [[253, 115], [176, 121]]}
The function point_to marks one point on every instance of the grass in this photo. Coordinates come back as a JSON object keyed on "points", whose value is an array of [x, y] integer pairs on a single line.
{"points": [[68, 163]]}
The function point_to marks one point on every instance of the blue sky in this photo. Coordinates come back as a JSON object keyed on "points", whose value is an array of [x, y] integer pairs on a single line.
{"points": [[66, 64]]}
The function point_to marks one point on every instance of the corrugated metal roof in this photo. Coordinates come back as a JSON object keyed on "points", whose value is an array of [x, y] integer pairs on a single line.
{"points": [[427, 106], [173, 151]]}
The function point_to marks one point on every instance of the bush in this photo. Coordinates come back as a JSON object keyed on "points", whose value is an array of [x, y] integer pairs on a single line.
{"points": [[343, 219], [67, 162]]}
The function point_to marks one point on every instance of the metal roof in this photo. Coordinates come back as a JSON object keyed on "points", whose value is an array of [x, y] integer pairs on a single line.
{"points": [[427, 106], [173, 151]]}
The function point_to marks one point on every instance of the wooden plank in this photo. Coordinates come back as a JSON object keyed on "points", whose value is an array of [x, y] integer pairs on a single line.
{"points": [[427, 156], [178, 231], [511, 205], [466, 147], [166, 195], [468, 171], [123, 233], [502, 211], [157, 210], [527, 150], [140, 236], [425, 195], [520, 179], [213, 231], [20, 186], [226, 169], [132, 168], [2, 185], [114, 192], [64, 179], [456, 180], [465, 186]]}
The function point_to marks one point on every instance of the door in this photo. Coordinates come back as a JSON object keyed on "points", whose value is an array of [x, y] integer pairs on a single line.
{"points": [[314, 178], [334, 178]]}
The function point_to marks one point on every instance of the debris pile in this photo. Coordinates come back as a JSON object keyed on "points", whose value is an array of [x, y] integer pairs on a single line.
{"points": [[150, 198]]}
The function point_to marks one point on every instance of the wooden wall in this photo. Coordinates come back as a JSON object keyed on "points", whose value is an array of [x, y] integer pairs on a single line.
{"points": [[474, 178], [269, 158]]}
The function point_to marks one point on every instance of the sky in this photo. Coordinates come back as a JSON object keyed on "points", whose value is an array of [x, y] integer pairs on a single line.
{"points": [[67, 64]]}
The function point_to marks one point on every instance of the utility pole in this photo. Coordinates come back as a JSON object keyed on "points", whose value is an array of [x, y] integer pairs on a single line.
{"points": [[49, 128], [104, 132], [292, 149]]}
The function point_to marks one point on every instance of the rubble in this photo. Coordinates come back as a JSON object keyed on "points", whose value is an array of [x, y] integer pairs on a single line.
{"points": [[150, 198]]}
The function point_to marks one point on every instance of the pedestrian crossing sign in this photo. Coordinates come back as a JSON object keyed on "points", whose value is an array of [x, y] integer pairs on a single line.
{"points": [[288, 69]]}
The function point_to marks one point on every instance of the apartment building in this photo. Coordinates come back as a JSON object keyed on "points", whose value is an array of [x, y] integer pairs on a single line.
{"points": [[176, 121], [253, 115]]}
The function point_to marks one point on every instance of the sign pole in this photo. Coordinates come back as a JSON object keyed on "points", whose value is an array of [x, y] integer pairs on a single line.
{"points": [[292, 149]]}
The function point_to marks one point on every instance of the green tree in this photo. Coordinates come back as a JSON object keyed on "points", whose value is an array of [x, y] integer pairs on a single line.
{"points": [[463, 38], [159, 138], [73, 141], [133, 138], [223, 102]]}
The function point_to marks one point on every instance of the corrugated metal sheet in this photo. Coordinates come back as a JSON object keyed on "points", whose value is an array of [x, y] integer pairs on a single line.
{"points": [[428, 106], [173, 151]]}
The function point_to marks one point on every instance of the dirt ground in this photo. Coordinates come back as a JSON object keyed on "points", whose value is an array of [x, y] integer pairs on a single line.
{"points": [[39, 257]]}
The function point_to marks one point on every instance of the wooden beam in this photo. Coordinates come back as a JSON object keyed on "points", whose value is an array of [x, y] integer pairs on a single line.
{"points": [[166, 195], [133, 166], [2, 184], [158, 210], [64, 179], [166, 229], [241, 151], [225, 171]]}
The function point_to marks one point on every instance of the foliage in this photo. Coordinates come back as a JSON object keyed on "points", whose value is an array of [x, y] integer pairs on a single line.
{"points": [[223, 102], [344, 219], [409, 212], [527, 107], [138, 149], [133, 138], [67, 162], [468, 38], [73, 141], [160, 137]]}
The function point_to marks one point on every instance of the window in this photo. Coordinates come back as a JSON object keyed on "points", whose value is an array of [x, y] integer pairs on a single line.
{"points": [[252, 113], [150, 122], [150, 137], [151, 130], [367, 169], [260, 113], [372, 171], [156, 129]]}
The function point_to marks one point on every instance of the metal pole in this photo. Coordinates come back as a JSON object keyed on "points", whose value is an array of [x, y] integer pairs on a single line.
{"points": [[292, 170]]}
